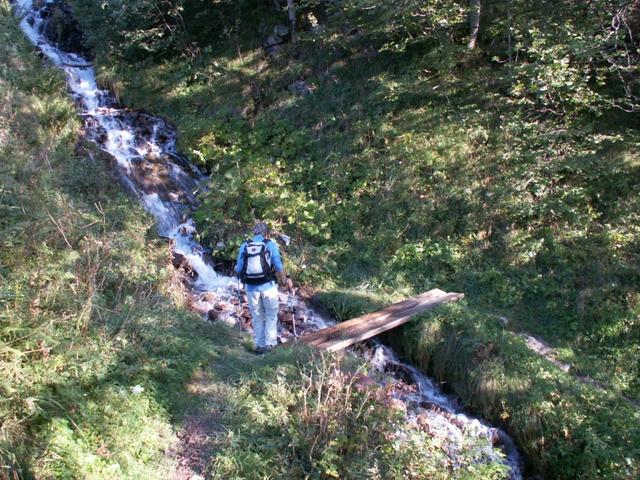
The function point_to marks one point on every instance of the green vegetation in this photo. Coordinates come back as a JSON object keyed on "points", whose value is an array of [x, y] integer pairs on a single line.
{"points": [[568, 429], [100, 364], [509, 172]]}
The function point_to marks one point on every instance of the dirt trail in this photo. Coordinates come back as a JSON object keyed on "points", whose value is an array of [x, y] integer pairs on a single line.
{"points": [[200, 431]]}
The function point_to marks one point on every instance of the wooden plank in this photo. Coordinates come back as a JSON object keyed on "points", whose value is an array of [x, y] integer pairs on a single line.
{"points": [[379, 326], [366, 326], [410, 305], [396, 307]]}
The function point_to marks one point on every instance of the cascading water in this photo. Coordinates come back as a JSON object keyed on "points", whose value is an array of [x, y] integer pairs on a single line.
{"points": [[144, 149], [427, 404]]}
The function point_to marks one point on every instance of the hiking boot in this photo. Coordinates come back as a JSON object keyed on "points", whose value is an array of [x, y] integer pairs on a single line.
{"points": [[260, 350]]}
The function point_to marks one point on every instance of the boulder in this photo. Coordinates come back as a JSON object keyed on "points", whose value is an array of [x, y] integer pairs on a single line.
{"points": [[62, 28], [281, 31], [272, 44], [272, 40], [178, 260], [300, 88]]}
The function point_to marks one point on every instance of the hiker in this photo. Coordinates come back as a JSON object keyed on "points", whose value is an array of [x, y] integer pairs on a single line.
{"points": [[259, 265]]}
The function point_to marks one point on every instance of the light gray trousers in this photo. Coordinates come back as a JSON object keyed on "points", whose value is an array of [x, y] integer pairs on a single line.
{"points": [[264, 314]]}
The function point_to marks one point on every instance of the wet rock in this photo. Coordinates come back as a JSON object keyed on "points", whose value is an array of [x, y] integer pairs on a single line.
{"points": [[178, 260], [272, 41], [61, 28], [197, 306], [209, 297], [399, 371], [285, 317], [208, 260], [244, 325], [154, 175]]}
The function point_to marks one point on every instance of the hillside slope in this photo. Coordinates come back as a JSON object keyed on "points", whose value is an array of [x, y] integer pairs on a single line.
{"points": [[105, 374], [400, 160]]}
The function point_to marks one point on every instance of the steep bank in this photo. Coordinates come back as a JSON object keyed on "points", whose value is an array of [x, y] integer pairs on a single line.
{"points": [[93, 352]]}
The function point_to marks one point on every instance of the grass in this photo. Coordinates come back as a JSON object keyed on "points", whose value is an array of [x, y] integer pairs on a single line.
{"points": [[418, 164], [567, 428], [84, 314]]}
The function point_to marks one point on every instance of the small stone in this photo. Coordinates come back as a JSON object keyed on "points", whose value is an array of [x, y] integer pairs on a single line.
{"points": [[300, 88], [208, 297]]}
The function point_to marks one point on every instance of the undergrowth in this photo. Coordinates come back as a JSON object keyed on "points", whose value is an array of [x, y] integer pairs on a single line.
{"points": [[320, 419], [509, 172]]}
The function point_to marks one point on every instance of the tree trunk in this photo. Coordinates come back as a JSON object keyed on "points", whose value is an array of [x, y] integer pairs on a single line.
{"points": [[292, 20], [474, 22]]}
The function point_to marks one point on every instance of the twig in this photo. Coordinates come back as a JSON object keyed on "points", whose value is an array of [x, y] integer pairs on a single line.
{"points": [[59, 227]]}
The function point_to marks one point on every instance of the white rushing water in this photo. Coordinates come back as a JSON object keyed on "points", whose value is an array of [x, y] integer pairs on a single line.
{"points": [[443, 413], [144, 149]]}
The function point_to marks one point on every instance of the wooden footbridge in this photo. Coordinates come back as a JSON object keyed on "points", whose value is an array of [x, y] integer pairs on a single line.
{"points": [[360, 328]]}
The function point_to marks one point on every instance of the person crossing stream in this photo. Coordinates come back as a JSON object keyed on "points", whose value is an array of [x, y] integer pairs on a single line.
{"points": [[145, 154], [259, 265]]}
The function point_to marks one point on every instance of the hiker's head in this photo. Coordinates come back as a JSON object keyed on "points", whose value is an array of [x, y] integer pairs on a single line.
{"points": [[260, 228]]}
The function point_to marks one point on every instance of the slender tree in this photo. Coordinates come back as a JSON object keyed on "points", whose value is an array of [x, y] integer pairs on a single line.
{"points": [[291, 8], [474, 21]]}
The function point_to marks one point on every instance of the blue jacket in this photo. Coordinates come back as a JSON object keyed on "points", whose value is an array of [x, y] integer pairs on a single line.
{"points": [[276, 261]]}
